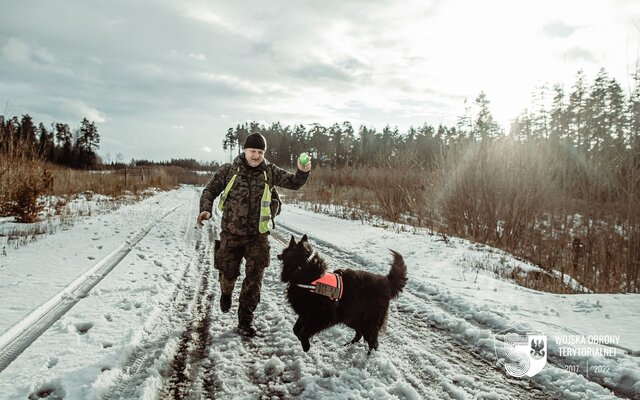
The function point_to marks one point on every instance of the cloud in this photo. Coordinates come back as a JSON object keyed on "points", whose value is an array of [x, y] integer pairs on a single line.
{"points": [[232, 82], [20, 52], [558, 29], [321, 71], [206, 149], [83, 110], [199, 57], [218, 20], [16, 51], [580, 54]]}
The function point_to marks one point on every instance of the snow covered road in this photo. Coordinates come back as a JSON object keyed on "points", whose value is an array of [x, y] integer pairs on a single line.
{"points": [[151, 328]]}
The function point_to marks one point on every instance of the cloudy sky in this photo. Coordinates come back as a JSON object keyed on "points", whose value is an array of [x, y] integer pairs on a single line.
{"points": [[167, 78]]}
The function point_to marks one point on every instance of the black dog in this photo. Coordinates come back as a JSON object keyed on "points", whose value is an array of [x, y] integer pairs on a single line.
{"points": [[358, 299]]}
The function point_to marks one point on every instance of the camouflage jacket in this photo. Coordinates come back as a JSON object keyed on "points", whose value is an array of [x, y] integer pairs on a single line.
{"points": [[241, 213]]}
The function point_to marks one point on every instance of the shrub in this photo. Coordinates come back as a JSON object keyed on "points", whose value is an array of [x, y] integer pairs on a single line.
{"points": [[25, 204], [21, 189]]}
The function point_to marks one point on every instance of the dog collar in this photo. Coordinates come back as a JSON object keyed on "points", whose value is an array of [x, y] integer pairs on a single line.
{"points": [[313, 254]]}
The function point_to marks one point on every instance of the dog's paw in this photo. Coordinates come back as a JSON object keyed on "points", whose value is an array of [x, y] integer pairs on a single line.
{"points": [[306, 346]]}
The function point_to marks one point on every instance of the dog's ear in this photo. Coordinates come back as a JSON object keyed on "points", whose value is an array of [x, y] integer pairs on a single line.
{"points": [[292, 242], [304, 238]]}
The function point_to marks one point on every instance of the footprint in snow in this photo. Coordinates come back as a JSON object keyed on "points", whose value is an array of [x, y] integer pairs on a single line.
{"points": [[83, 327], [141, 256], [51, 390], [53, 361], [91, 258], [157, 263]]}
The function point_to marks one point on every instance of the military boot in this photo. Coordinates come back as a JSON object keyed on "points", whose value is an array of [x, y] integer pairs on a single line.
{"points": [[225, 302]]}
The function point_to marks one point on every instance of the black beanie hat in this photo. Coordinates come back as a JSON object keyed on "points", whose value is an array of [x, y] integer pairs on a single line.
{"points": [[255, 141]]}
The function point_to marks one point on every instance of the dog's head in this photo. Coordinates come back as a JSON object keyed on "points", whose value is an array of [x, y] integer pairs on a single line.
{"points": [[299, 263]]}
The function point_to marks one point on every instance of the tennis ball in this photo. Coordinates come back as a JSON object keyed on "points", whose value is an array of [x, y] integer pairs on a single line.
{"points": [[304, 158]]}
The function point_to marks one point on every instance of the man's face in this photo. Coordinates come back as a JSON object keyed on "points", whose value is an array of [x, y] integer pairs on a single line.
{"points": [[254, 156]]}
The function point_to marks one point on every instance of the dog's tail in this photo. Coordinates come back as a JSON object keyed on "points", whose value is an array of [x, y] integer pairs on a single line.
{"points": [[397, 275]]}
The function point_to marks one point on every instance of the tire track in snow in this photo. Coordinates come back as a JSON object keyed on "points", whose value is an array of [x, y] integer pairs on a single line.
{"points": [[185, 379], [159, 330], [21, 335], [156, 336]]}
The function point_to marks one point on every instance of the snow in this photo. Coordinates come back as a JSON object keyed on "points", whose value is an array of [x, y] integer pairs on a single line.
{"points": [[440, 340]]}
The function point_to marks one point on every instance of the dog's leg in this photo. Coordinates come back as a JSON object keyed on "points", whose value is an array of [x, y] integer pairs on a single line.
{"points": [[300, 330], [372, 341], [297, 326], [303, 336], [306, 345], [355, 339], [310, 328]]}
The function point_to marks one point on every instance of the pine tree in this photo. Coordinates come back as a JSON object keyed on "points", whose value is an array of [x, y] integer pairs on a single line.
{"points": [[465, 122], [485, 127], [338, 152], [576, 113], [64, 145], [633, 114], [522, 127], [46, 145], [559, 122], [540, 117], [617, 123], [87, 142], [597, 136]]}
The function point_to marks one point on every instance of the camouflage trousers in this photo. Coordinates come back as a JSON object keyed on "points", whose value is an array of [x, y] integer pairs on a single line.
{"points": [[227, 259]]}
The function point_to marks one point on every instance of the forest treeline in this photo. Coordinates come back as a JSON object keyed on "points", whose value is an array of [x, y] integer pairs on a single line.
{"points": [[57, 144], [561, 188], [76, 148], [596, 121]]}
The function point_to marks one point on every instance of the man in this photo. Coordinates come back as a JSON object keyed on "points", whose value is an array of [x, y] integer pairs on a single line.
{"points": [[245, 187]]}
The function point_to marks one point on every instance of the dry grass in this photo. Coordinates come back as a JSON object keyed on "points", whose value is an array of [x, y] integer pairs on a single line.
{"points": [[24, 179], [541, 203], [66, 181]]}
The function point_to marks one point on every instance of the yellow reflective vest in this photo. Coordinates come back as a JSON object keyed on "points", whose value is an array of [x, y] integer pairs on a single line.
{"points": [[265, 202]]}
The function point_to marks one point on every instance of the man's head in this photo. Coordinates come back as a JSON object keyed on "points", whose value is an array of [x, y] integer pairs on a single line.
{"points": [[254, 147]]}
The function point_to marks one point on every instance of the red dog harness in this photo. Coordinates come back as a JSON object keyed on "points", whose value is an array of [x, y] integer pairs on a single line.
{"points": [[329, 284]]}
